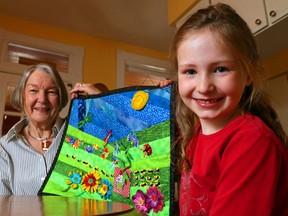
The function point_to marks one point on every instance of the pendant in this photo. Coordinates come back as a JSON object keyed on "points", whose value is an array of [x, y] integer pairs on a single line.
{"points": [[45, 145]]}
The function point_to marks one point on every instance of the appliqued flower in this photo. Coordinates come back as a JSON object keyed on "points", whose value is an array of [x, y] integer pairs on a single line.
{"points": [[105, 189], [74, 179], [139, 199], [154, 199], [90, 181]]}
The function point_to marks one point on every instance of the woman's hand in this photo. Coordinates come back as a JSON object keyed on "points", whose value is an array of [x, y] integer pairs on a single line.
{"points": [[83, 89]]}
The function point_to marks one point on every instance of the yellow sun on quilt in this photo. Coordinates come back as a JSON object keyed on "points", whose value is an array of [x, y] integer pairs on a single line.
{"points": [[139, 100]]}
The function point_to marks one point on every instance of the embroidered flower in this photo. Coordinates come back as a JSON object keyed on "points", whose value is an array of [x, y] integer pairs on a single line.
{"points": [[90, 181], [154, 199], [105, 189], [89, 148], [69, 139], [77, 143], [96, 146], [74, 179], [105, 153], [139, 200]]}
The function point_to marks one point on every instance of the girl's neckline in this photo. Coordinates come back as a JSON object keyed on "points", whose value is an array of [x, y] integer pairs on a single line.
{"points": [[237, 120]]}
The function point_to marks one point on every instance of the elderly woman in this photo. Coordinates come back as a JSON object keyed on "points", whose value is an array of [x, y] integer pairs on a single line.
{"points": [[28, 149]]}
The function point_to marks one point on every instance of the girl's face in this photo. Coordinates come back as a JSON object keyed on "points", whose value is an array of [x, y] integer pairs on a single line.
{"points": [[41, 99], [210, 80]]}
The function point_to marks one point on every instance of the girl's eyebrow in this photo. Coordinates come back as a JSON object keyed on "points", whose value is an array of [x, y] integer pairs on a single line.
{"points": [[186, 65]]}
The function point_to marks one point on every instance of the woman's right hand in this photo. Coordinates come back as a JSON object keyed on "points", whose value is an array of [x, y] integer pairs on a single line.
{"points": [[83, 89], [165, 83]]}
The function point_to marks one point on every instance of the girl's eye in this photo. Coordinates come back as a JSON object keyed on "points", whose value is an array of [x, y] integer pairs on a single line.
{"points": [[191, 71], [221, 69]]}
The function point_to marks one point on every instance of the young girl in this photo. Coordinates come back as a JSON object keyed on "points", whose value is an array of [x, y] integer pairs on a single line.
{"points": [[236, 161]]}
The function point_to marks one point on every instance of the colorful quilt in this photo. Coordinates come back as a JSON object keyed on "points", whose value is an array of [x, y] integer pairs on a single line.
{"points": [[117, 146]]}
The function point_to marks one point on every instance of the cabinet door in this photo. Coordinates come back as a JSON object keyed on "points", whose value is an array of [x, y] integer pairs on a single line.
{"points": [[276, 9], [253, 12]]}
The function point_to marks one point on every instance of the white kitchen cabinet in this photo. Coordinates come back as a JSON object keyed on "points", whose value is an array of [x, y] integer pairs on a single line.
{"points": [[267, 19], [276, 10], [259, 14], [253, 12]]}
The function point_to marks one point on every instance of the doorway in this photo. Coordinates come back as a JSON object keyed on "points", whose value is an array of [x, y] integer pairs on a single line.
{"points": [[9, 115]]}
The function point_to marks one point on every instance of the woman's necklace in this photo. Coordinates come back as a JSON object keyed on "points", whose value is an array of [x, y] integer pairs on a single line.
{"points": [[44, 141]]}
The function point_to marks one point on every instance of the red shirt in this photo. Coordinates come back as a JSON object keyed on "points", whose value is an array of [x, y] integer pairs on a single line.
{"points": [[239, 170]]}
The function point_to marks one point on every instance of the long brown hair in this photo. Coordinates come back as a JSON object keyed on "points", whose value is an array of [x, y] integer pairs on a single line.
{"points": [[229, 28]]}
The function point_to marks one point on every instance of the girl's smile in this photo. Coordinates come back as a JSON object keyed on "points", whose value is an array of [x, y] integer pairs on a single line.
{"points": [[207, 102]]}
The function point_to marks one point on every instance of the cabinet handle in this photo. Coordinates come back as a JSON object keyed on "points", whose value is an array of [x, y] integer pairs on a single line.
{"points": [[272, 13], [258, 22]]}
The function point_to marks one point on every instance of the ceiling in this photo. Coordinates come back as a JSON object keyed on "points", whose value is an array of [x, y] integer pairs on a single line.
{"points": [[139, 22]]}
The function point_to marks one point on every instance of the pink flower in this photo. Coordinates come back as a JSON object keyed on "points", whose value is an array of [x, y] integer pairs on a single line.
{"points": [[139, 201], [154, 199]]}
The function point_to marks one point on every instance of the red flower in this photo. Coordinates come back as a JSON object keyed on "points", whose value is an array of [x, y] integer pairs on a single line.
{"points": [[154, 199]]}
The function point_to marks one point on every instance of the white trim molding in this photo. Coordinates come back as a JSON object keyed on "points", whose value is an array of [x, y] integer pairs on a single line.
{"points": [[139, 63], [75, 53]]}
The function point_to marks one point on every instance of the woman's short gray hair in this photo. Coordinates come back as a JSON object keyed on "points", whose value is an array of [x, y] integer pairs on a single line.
{"points": [[17, 96]]}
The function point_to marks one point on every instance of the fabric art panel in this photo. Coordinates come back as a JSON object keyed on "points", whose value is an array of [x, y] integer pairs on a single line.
{"points": [[117, 146]]}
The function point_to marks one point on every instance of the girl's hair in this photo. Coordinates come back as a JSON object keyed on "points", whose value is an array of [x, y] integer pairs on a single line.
{"points": [[227, 26], [17, 96]]}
